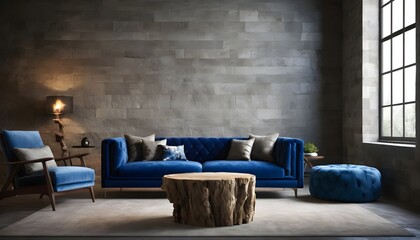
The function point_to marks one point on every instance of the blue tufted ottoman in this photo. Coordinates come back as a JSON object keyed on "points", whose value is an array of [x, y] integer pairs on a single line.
{"points": [[345, 183]]}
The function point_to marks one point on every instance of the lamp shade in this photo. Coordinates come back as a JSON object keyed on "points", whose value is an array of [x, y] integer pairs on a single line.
{"points": [[59, 104]]}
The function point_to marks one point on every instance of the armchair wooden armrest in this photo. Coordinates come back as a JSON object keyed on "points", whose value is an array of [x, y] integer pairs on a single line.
{"points": [[30, 161], [72, 156], [79, 156]]}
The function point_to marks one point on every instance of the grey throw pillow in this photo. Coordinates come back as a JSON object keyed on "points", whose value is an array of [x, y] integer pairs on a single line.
{"points": [[151, 151], [240, 149], [27, 154], [263, 147], [135, 146]]}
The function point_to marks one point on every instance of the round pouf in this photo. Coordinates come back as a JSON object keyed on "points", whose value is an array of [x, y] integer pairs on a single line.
{"points": [[345, 183]]}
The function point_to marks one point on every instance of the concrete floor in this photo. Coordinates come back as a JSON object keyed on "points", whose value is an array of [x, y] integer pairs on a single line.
{"points": [[16, 208]]}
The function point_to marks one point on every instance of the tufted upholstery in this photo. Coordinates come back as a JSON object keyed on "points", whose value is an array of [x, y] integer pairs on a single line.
{"points": [[345, 183], [203, 154], [202, 149]]}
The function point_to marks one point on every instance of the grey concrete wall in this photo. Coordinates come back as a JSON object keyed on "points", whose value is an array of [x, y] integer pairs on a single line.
{"points": [[174, 68], [352, 80], [397, 163]]}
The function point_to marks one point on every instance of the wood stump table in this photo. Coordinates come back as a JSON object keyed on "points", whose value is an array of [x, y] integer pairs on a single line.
{"points": [[211, 199]]}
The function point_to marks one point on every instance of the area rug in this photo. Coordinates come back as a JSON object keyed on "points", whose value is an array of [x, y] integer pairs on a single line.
{"points": [[153, 217]]}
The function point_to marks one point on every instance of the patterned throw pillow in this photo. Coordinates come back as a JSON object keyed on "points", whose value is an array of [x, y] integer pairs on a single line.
{"points": [[171, 153]]}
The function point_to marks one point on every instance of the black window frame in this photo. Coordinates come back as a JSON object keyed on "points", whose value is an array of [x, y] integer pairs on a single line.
{"points": [[381, 74]]}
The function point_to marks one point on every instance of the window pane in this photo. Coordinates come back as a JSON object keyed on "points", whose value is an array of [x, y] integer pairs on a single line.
{"points": [[397, 87], [386, 56], [410, 47], [397, 51], [397, 121], [397, 15], [386, 89], [410, 12], [386, 121], [410, 84], [386, 20], [410, 120]]}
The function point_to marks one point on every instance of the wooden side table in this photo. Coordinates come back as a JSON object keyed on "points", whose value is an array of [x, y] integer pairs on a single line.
{"points": [[308, 159]]}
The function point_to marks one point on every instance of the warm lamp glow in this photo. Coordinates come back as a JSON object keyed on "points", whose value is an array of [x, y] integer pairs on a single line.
{"points": [[58, 106]]}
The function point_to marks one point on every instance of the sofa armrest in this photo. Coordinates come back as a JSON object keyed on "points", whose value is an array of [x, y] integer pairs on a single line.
{"points": [[113, 155], [288, 153]]}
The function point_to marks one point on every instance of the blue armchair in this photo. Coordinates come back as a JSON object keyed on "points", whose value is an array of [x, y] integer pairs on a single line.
{"points": [[33, 169]]}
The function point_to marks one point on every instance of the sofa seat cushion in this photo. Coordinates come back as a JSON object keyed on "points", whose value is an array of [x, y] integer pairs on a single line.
{"points": [[261, 169], [156, 169]]}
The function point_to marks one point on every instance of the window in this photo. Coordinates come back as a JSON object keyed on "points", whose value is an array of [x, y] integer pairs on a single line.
{"points": [[398, 70]]}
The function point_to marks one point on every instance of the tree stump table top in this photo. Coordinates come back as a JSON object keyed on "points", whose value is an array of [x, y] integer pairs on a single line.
{"points": [[206, 176], [211, 199]]}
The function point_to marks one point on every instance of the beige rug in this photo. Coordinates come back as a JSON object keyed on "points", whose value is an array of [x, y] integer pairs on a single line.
{"points": [[153, 217]]}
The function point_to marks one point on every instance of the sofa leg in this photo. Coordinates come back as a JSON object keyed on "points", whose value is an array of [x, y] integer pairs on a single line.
{"points": [[295, 190]]}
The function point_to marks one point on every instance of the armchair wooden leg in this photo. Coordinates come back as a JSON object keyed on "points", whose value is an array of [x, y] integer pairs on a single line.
{"points": [[49, 186], [52, 201], [295, 189], [40, 196], [92, 194]]}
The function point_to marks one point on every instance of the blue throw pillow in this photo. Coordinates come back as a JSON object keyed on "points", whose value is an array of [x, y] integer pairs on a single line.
{"points": [[171, 153]]}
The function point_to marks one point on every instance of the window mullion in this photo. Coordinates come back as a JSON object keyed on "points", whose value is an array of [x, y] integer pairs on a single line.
{"points": [[403, 70], [392, 72]]}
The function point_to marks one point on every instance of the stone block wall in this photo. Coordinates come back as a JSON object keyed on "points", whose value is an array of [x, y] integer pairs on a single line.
{"points": [[174, 68]]}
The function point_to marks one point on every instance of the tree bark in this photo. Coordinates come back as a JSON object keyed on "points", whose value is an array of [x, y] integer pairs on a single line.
{"points": [[211, 199]]}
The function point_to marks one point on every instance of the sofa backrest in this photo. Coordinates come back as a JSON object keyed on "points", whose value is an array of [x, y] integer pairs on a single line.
{"points": [[202, 149]]}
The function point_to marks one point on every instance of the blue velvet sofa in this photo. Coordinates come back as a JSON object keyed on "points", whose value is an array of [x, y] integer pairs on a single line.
{"points": [[204, 155]]}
